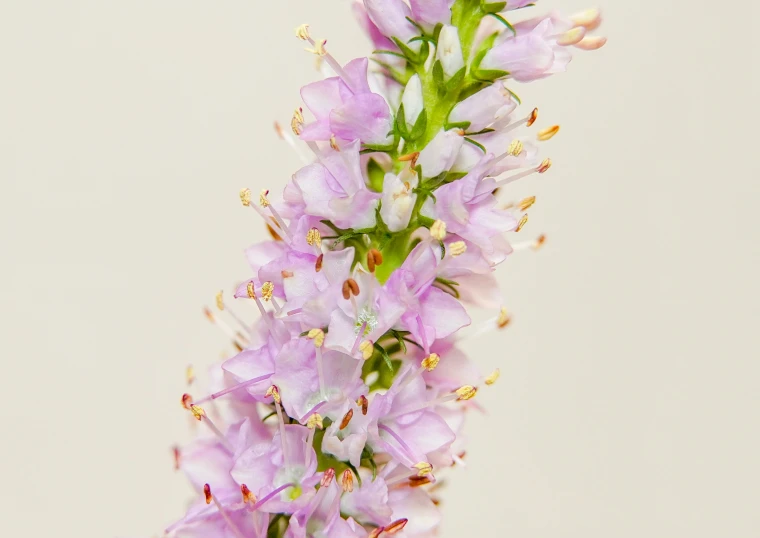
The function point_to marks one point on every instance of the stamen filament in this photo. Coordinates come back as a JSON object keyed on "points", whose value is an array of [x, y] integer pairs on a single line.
{"points": [[288, 138], [268, 496], [398, 439], [231, 524], [359, 338], [437, 401], [234, 388], [320, 373]]}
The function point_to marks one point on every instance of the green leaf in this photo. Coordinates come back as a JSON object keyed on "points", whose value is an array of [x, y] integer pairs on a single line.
{"points": [[489, 75], [438, 76], [515, 96], [408, 53], [376, 175], [457, 125], [504, 21], [385, 356], [455, 80], [401, 122], [389, 52], [416, 25], [474, 143], [492, 7], [419, 126], [482, 131]]}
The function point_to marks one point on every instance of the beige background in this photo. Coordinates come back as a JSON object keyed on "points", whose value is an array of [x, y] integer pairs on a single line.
{"points": [[628, 405]]}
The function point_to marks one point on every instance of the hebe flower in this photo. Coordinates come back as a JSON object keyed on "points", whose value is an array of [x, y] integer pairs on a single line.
{"points": [[346, 399]]}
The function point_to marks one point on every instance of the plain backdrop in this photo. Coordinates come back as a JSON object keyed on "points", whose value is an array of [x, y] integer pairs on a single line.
{"points": [[628, 401]]}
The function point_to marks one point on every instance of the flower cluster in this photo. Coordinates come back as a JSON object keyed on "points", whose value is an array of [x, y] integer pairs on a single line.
{"points": [[347, 397]]}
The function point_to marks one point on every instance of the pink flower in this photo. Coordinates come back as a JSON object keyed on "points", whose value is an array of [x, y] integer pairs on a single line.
{"points": [[391, 18]]}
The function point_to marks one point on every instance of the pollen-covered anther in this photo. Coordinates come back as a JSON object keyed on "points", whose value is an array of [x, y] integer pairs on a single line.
{"points": [[263, 201], [248, 496], [492, 377], [589, 18], [438, 230], [539, 242], [318, 336], [286, 274], [245, 197], [314, 237], [314, 421], [296, 123], [198, 412], [504, 318], [187, 401], [346, 419], [318, 263], [267, 290], [466, 392], [350, 287], [367, 347], [572, 36], [334, 143], [207, 493], [250, 290], [396, 526], [274, 392], [522, 223], [532, 118], [423, 468], [302, 32], [431, 361], [319, 48], [347, 481], [417, 481], [515, 148], [544, 166], [363, 403], [411, 158], [220, 300], [377, 531], [190, 374], [457, 248], [526, 203], [547, 133], [327, 477]]}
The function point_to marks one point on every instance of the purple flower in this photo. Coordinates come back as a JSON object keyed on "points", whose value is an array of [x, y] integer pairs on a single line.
{"points": [[334, 189], [429, 312], [347, 108], [391, 18], [431, 12]]}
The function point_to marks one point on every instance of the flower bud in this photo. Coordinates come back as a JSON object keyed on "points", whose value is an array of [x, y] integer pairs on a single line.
{"points": [[449, 51]]}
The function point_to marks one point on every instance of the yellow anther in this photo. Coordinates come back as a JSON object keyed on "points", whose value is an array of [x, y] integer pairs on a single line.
{"points": [[367, 348], [522, 223], [220, 300], [263, 198], [319, 48], [526, 203], [198, 411], [190, 374], [515, 148], [250, 290], [245, 197], [318, 335], [466, 392], [547, 133], [457, 248], [431, 361], [334, 143], [313, 237], [347, 482], [438, 230], [504, 318], [540, 240], [274, 392], [423, 468], [544, 166], [572, 36], [492, 377], [315, 421], [302, 32], [267, 290], [532, 118]]}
